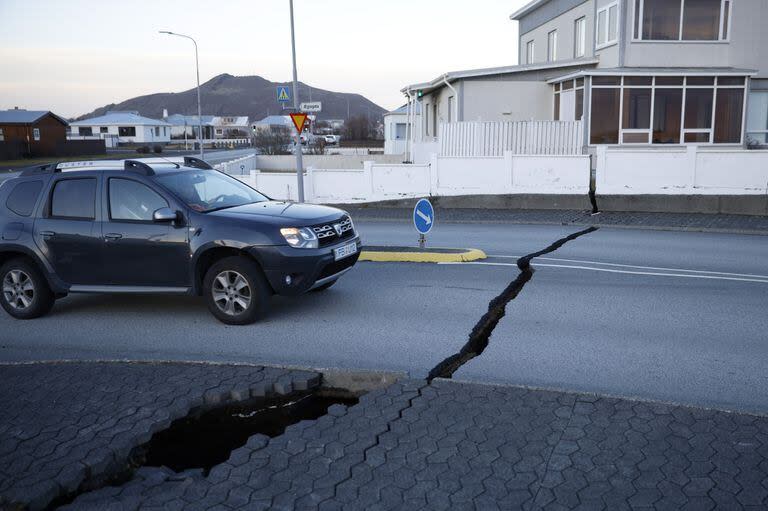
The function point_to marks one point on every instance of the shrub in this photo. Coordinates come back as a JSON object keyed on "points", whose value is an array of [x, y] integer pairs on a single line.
{"points": [[142, 149], [157, 149]]}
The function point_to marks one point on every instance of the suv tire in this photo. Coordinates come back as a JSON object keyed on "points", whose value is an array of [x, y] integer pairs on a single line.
{"points": [[24, 292], [236, 291]]}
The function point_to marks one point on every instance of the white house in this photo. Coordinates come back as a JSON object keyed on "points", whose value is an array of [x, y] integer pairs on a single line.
{"points": [[396, 128], [274, 123], [231, 126], [128, 127], [187, 126]]}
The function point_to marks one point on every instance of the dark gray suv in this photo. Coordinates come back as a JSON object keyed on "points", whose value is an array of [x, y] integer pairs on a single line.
{"points": [[162, 226]]}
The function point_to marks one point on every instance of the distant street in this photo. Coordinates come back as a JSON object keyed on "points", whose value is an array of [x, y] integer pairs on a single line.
{"points": [[663, 315]]}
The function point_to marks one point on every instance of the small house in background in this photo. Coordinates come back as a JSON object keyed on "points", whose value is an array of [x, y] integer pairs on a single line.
{"points": [[129, 127], [274, 124], [231, 126], [186, 126], [25, 133], [395, 128]]}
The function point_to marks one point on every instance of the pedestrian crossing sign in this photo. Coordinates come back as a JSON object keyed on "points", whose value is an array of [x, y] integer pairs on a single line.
{"points": [[283, 94]]}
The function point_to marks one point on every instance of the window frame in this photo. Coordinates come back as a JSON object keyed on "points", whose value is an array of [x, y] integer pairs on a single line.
{"points": [[724, 32], [576, 85], [683, 131], [764, 132], [552, 46], [607, 9], [530, 51], [127, 220], [2, 135], [580, 40]]}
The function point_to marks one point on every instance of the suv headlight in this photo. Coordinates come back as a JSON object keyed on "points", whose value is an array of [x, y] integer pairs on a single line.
{"points": [[303, 237]]}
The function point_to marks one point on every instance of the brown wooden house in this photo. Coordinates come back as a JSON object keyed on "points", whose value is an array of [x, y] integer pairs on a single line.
{"points": [[31, 133]]}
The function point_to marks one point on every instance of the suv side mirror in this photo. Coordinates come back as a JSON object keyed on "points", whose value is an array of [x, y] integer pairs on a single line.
{"points": [[165, 215]]}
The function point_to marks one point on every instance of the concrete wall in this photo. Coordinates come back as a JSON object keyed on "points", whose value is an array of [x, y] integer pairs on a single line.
{"points": [[325, 161], [689, 170]]}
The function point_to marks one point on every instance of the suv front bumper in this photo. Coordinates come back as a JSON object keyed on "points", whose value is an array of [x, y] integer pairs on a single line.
{"points": [[307, 268]]}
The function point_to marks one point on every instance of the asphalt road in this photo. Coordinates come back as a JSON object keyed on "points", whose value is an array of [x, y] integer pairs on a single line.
{"points": [[662, 315]]}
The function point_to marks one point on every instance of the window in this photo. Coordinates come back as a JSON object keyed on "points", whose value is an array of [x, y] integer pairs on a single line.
{"points": [[74, 198], [556, 113], [36, 133], [126, 131], [85, 131], [208, 190], [579, 104], [2, 136], [399, 131], [552, 46], [450, 108], [157, 131], [668, 109], [607, 30], [103, 129], [757, 118], [434, 120], [23, 198], [133, 201], [569, 100], [529, 52], [579, 37], [682, 20]]}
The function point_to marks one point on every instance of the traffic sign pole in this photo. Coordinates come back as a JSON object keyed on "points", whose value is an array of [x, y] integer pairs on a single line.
{"points": [[423, 220], [297, 148]]}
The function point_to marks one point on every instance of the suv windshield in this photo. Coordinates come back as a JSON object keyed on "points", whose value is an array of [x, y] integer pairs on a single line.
{"points": [[208, 190]]}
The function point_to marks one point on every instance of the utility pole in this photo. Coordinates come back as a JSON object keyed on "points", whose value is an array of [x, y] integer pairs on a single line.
{"points": [[297, 148], [199, 109]]}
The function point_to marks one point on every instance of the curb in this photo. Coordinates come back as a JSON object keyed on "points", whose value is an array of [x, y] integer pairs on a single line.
{"points": [[415, 255]]}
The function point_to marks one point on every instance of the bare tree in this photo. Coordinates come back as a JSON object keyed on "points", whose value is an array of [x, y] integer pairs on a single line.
{"points": [[272, 142], [358, 127]]}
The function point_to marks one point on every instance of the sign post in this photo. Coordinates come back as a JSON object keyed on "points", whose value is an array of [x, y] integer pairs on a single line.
{"points": [[423, 219], [299, 162]]}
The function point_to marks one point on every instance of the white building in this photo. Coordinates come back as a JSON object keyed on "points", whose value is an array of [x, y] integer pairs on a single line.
{"points": [[396, 128], [274, 123], [128, 127], [187, 126]]}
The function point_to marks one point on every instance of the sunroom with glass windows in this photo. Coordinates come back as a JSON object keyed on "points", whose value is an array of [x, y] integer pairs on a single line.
{"points": [[659, 106]]}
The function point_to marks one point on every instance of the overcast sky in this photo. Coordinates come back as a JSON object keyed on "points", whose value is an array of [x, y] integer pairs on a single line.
{"points": [[75, 55]]}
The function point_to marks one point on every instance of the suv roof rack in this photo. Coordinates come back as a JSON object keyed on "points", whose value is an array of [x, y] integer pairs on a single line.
{"points": [[127, 165], [196, 163], [139, 166]]}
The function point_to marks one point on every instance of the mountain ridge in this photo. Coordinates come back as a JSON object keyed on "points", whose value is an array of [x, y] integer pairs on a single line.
{"points": [[254, 96]]}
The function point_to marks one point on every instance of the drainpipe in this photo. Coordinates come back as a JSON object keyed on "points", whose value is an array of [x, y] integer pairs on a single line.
{"points": [[455, 98]]}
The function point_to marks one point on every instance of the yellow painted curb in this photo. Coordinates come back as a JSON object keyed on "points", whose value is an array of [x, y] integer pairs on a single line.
{"points": [[470, 254]]}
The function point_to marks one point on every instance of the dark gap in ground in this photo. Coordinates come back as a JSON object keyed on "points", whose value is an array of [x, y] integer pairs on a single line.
{"points": [[206, 440], [481, 333], [206, 437]]}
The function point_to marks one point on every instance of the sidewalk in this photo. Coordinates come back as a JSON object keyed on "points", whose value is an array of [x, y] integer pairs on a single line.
{"points": [[412, 445], [740, 224]]}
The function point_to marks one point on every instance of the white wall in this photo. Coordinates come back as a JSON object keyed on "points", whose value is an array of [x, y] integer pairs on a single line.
{"points": [[689, 170], [509, 174]]}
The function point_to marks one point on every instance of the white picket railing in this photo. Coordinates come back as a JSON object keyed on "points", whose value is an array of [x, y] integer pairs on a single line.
{"points": [[520, 137]]}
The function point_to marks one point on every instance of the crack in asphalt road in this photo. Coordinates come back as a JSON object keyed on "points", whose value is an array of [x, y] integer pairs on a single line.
{"points": [[481, 333]]}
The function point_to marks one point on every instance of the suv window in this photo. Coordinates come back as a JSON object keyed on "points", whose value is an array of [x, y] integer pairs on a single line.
{"points": [[23, 197], [131, 200], [74, 198]]}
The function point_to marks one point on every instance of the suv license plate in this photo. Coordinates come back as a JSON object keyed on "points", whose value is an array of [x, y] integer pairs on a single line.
{"points": [[346, 250]]}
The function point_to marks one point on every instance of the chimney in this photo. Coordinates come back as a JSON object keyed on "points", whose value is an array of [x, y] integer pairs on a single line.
{"points": [[165, 113]]}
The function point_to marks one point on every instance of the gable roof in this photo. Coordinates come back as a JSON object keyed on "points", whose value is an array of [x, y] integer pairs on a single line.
{"points": [[121, 118], [404, 109], [19, 116]]}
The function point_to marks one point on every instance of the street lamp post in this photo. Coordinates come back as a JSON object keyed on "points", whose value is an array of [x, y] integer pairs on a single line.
{"points": [[299, 162], [199, 109]]}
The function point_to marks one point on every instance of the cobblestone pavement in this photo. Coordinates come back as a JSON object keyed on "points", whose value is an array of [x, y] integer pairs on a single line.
{"points": [[669, 221], [453, 445], [62, 424]]}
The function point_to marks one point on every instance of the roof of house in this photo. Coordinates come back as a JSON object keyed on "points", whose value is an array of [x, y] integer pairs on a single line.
{"points": [[20, 116], [530, 6], [273, 120], [654, 71], [121, 118], [404, 109], [491, 71]]}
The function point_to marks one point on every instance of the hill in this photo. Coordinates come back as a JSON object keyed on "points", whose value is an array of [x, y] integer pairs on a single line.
{"points": [[253, 96]]}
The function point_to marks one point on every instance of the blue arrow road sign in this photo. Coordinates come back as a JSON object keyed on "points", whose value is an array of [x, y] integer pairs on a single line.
{"points": [[423, 216], [283, 94]]}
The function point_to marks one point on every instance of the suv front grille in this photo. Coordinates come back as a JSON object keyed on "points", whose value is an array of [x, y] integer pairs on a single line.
{"points": [[328, 234]]}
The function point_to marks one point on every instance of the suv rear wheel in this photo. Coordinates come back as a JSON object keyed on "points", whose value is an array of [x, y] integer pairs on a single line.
{"points": [[24, 292], [236, 291]]}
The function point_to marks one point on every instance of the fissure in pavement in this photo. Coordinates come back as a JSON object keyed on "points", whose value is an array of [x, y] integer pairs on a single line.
{"points": [[481, 333]]}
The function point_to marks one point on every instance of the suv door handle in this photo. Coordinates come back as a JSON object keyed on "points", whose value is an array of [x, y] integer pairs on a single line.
{"points": [[112, 236], [47, 234]]}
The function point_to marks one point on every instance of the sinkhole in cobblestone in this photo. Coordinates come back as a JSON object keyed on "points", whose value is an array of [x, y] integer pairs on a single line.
{"points": [[204, 440]]}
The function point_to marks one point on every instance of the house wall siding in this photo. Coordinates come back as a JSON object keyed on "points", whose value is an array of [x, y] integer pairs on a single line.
{"points": [[564, 24]]}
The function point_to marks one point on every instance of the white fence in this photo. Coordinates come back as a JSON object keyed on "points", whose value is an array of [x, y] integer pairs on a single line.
{"points": [[239, 166], [681, 170], [519, 137], [509, 174]]}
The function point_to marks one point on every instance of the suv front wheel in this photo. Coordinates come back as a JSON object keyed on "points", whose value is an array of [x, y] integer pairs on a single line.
{"points": [[24, 292], [236, 291]]}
